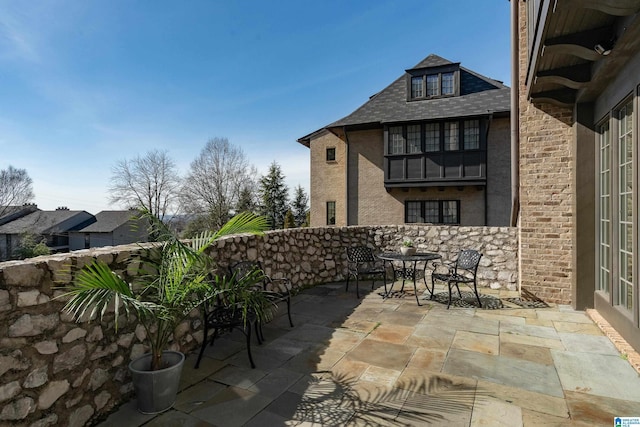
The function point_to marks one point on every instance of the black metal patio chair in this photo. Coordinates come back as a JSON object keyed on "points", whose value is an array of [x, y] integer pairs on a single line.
{"points": [[275, 289], [362, 263], [463, 270], [221, 317]]}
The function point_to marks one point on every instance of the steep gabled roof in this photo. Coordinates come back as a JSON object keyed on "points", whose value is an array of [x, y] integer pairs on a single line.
{"points": [[479, 95], [108, 221]]}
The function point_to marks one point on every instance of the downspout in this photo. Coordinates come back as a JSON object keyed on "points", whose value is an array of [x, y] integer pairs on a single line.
{"points": [[515, 113], [346, 176]]}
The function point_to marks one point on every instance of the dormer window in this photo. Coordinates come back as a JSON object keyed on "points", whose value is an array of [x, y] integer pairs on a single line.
{"points": [[435, 82]]}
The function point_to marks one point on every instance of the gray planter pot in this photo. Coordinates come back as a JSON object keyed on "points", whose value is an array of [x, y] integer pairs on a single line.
{"points": [[156, 390]]}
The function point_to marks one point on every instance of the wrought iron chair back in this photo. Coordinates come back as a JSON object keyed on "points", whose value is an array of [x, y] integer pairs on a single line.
{"points": [[464, 270], [277, 290], [362, 262], [468, 260]]}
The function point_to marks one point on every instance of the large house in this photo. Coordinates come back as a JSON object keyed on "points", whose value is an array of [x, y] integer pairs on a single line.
{"points": [[577, 65], [432, 147]]}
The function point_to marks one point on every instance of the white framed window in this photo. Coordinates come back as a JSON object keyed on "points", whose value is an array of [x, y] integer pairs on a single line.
{"points": [[604, 196], [625, 205]]}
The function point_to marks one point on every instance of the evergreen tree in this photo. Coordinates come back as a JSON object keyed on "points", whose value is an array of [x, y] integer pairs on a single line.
{"points": [[289, 221], [274, 196], [300, 207], [246, 201]]}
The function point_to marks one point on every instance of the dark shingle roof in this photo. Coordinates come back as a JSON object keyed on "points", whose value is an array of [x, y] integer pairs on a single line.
{"points": [[45, 222], [479, 95], [107, 221]]}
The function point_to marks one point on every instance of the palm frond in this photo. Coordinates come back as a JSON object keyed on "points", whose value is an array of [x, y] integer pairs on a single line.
{"points": [[245, 222]]}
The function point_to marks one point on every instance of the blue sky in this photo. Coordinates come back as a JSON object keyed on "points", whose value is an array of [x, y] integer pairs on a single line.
{"points": [[84, 84]]}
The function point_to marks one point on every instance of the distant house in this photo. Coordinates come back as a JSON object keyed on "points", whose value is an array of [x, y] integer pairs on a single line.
{"points": [[53, 226], [111, 228], [432, 147]]}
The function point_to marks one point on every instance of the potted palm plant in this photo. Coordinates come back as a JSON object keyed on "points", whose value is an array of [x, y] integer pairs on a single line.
{"points": [[173, 281]]}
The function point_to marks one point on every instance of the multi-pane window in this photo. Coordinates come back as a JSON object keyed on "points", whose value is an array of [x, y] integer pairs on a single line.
{"points": [[396, 140], [433, 85], [625, 205], [450, 212], [432, 137], [432, 211], [472, 134], [413, 139], [414, 212], [331, 213], [447, 84], [451, 140], [437, 136], [417, 90], [331, 154], [605, 208]]}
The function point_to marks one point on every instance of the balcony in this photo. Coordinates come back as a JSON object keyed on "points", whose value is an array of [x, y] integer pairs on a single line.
{"points": [[442, 168]]}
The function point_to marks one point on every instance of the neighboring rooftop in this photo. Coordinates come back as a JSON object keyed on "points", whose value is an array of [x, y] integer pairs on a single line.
{"points": [[43, 222], [107, 221]]}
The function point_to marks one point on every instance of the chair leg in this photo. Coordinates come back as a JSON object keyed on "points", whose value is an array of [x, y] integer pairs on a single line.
{"points": [[357, 287], [433, 286], [247, 332], [204, 344], [257, 326], [202, 347], [475, 289], [346, 289], [289, 311]]}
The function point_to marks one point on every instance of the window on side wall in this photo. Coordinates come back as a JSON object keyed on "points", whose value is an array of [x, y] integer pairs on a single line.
{"points": [[432, 211], [331, 213], [331, 154]]}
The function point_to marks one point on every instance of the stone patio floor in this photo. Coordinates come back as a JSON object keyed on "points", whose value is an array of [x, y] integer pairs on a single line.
{"points": [[375, 362]]}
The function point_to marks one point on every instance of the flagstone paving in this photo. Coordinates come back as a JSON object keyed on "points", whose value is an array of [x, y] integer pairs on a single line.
{"points": [[373, 362]]}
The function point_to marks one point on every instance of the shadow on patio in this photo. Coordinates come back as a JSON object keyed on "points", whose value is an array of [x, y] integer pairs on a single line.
{"points": [[373, 362]]}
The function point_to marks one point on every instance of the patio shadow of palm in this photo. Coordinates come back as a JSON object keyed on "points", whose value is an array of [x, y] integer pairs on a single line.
{"points": [[334, 399]]}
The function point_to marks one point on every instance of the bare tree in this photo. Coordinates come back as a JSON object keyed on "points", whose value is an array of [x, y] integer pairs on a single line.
{"points": [[16, 188], [151, 182], [213, 185]]}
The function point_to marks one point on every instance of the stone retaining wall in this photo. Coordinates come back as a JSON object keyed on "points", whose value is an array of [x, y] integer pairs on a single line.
{"points": [[54, 371]]}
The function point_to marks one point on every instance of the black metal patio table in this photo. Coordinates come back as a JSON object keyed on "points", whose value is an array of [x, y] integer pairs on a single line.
{"points": [[409, 268]]}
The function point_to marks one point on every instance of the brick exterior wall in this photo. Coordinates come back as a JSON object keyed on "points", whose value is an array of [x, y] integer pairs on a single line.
{"points": [[328, 179], [546, 191], [369, 201]]}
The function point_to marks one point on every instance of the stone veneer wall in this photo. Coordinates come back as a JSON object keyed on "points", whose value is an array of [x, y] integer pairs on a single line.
{"points": [[54, 371]]}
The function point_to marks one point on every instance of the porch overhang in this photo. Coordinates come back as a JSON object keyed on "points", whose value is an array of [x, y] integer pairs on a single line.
{"points": [[577, 46]]}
